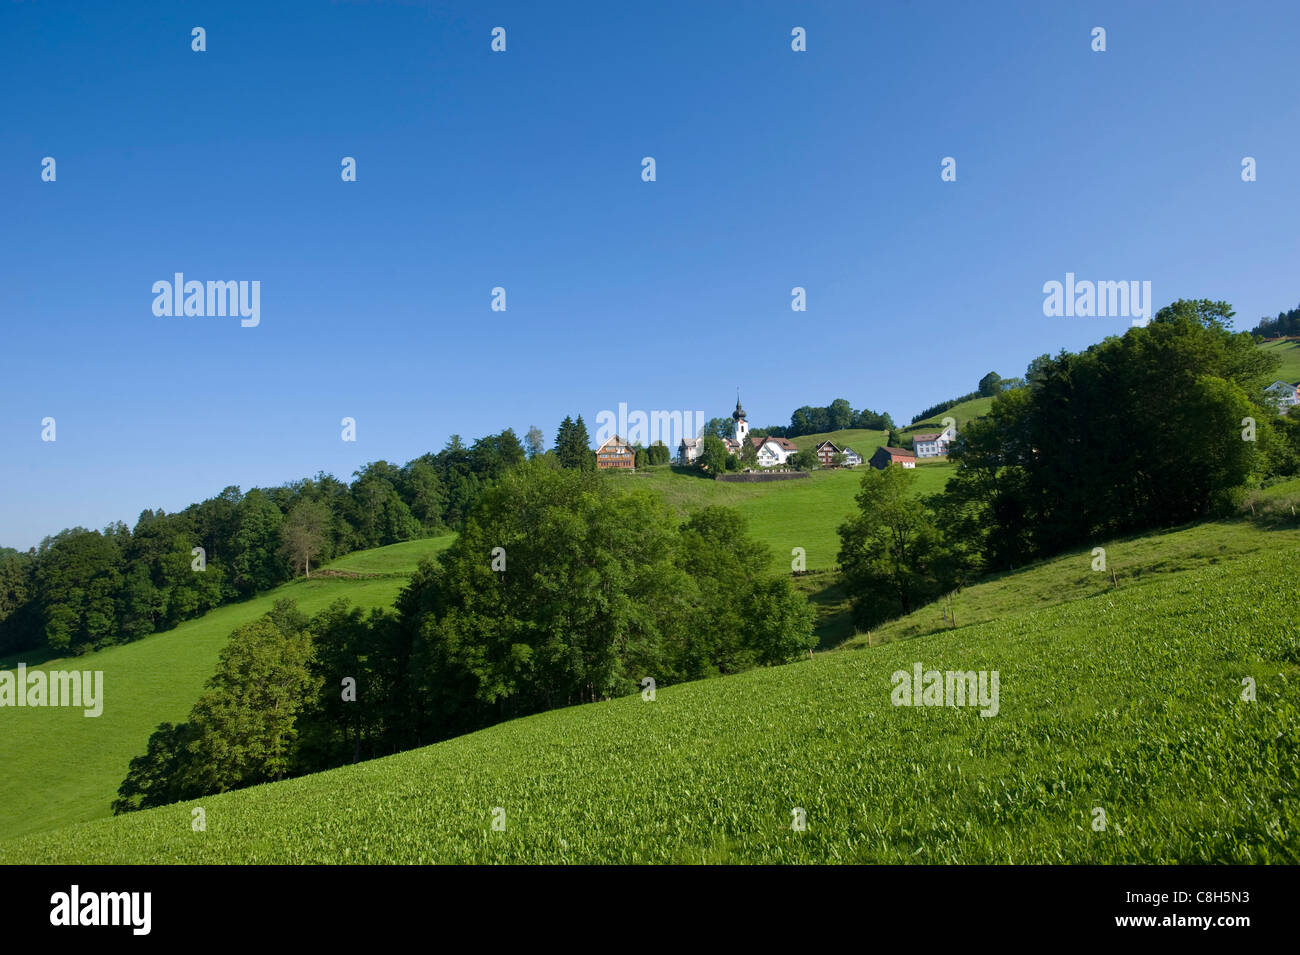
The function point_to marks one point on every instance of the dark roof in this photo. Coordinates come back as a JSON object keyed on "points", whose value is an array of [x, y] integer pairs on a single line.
{"points": [[824, 443], [785, 444], [926, 437]]}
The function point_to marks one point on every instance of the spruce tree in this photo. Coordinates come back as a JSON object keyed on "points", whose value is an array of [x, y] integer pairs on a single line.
{"points": [[564, 442], [583, 456]]}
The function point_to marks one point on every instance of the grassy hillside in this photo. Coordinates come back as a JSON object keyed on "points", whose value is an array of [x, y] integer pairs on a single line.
{"points": [[63, 767], [975, 408], [396, 559], [783, 514], [1129, 701], [1136, 562], [1283, 489], [861, 440], [1289, 353]]}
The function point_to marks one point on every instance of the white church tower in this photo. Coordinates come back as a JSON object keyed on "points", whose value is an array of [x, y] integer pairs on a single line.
{"points": [[742, 426]]}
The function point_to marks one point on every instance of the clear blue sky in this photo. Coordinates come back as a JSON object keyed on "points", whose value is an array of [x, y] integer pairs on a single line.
{"points": [[522, 169]]}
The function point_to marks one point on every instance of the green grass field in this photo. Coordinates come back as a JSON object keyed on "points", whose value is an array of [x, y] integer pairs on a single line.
{"points": [[860, 440], [399, 559], [803, 513], [63, 767], [963, 412], [1287, 489], [1289, 354], [1126, 701], [1136, 562]]}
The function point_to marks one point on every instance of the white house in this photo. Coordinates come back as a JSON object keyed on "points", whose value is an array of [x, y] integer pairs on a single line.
{"points": [[1284, 395], [773, 451], [851, 458], [933, 445], [689, 450]]}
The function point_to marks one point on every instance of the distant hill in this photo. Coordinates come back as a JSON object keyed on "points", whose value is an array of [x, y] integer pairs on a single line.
{"points": [[967, 410], [1288, 350], [860, 440]]}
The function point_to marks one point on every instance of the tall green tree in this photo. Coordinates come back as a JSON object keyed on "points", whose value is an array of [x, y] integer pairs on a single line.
{"points": [[257, 564], [1140, 431], [243, 729], [244, 723], [839, 415], [534, 442], [804, 460], [305, 534], [713, 455], [719, 428], [891, 554], [745, 617], [573, 446], [584, 599], [19, 608], [79, 581], [425, 493]]}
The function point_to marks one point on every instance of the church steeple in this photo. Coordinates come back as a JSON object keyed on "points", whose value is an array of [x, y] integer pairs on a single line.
{"points": [[738, 416], [739, 413]]}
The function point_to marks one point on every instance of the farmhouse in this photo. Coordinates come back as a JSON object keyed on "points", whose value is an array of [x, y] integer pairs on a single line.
{"points": [[615, 453], [884, 457], [933, 445], [1284, 395], [773, 451], [826, 451], [689, 450], [851, 458]]}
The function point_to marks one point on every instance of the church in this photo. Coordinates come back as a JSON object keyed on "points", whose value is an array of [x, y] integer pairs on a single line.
{"points": [[769, 451]]}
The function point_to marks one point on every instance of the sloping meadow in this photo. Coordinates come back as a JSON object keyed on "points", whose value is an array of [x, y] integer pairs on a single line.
{"points": [[61, 767], [1125, 732]]}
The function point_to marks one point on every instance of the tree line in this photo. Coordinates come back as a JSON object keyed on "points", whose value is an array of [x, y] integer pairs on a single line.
{"points": [[837, 416], [1286, 325], [573, 448], [1165, 425], [561, 588], [82, 590], [990, 385]]}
